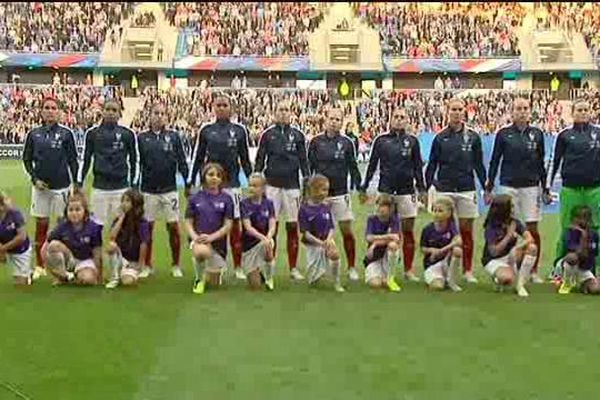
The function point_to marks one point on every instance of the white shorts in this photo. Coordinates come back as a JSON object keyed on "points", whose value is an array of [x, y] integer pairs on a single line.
{"points": [[48, 203], [127, 268], [106, 204], [317, 263], [465, 203], [166, 204], [236, 196], [255, 259], [527, 202], [285, 201], [377, 269], [407, 205], [439, 270], [509, 260], [341, 207], [74, 265], [216, 262], [581, 274], [20, 263]]}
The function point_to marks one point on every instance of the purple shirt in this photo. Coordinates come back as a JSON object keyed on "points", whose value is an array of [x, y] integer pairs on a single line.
{"points": [[8, 230], [130, 246], [209, 212], [433, 238], [81, 242], [494, 233], [375, 226], [316, 219], [573, 239], [259, 216]]}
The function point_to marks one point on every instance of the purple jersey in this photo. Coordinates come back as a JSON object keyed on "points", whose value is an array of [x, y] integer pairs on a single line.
{"points": [[494, 233], [12, 222], [375, 226], [82, 241], [434, 238], [572, 238], [259, 216], [316, 219], [209, 212], [130, 246]]}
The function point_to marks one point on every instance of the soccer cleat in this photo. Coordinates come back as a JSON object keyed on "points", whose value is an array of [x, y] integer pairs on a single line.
{"points": [[565, 288], [296, 275], [239, 274], [535, 278], [470, 278], [145, 273], [198, 286], [411, 277], [522, 292], [339, 288], [270, 284], [113, 283], [353, 274], [38, 272], [393, 285], [454, 287], [176, 272]]}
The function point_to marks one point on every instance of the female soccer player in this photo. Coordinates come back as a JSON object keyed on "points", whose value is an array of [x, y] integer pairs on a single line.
{"points": [[578, 263], [318, 232], [15, 247], [129, 238], [441, 246], [383, 237], [209, 218], [74, 248], [258, 219], [502, 254]]}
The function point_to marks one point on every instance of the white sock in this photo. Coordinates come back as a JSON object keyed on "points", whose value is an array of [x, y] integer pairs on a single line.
{"points": [[569, 272], [525, 271], [270, 270], [198, 268], [335, 270], [392, 257], [115, 266], [454, 270]]}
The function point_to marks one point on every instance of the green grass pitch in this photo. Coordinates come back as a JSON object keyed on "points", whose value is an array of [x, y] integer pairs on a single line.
{"points": [[161, 342]]}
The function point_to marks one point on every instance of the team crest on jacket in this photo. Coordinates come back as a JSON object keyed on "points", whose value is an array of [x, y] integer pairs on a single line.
{"points": [[118, 136]]}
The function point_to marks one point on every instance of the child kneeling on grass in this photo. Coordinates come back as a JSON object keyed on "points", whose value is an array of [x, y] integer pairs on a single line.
{"points": [[209, 218], [129, 238], [383, 237], [577, 265], [318, 232], [258, 219], [73, 250], [502, 255], [15, 247], [441, 246]]}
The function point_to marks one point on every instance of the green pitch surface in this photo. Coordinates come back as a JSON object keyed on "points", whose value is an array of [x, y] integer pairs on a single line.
{"points": [[161, 342]]}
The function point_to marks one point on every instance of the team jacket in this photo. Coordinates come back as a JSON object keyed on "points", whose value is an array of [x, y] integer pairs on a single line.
{"points": [[284, 148], [578, 149], [334, 157], [455, 155], [113, 149], [400, 165], [225, 143], [161, 156], [522, 155], [50, 155]]}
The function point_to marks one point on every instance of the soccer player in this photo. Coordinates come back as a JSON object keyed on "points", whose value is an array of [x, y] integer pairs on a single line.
{"points": [[50, 159], [74, 248], [577, 154], [226, 143], [129, 238], [282, 149], [383, 238], [520, 147], [332, 155], [258, 221], [318, 234], [503, 256], [401, 169], [15, 247], [209, 218], [113, 150], [161, 157], [456, 153]]}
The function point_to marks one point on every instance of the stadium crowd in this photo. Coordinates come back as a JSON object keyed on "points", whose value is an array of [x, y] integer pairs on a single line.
{"points": [[56, 26], [451, 30], [250, 28], [144, 20]]}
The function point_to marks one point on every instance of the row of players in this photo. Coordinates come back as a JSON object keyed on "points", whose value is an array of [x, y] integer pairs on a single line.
{"points": [[456, 156]]}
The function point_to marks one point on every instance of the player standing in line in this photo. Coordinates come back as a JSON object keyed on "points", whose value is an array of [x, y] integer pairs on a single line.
{"points": [[225, 143], [50, 159], [113, 149], [398, 155], [15, 247], [331, 154], [161, 157], [578, 150], [282, 149], [520, 146], [456, 153]]}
